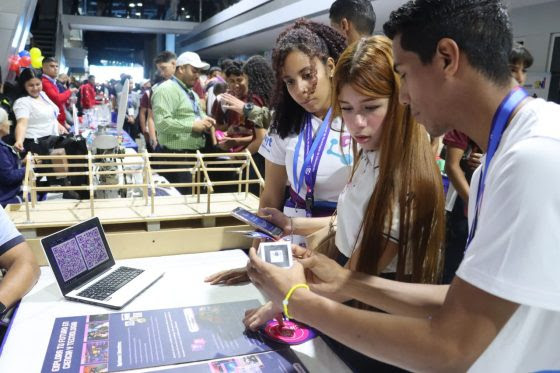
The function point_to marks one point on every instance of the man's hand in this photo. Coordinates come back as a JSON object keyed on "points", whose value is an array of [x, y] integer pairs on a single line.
{"points": [[272, 280], [203, 125], [256, 317]]}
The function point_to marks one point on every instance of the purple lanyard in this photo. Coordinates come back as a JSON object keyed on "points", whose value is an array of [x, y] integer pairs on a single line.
{"points": [[499, 124], [313, 152]]}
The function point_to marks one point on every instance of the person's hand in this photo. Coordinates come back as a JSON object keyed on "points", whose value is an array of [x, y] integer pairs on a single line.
{"points": [[18, 145], [323, 274], [228, 277], [277, 218], [474, 160], [203, 125], [273, 281], [231, 102], [62, 130], [256, 317], [74, 90], [130, 119], [226, 143]]}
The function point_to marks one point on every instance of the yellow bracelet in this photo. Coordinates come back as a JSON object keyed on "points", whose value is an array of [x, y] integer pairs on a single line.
{"points": [[289, 294]]}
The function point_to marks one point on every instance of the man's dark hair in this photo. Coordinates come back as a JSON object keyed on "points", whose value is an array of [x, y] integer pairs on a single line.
{"points": [[359, 12], [481, 29], [225, 63], [164, 57], [49, 59], [520, 55], [235, 68]]}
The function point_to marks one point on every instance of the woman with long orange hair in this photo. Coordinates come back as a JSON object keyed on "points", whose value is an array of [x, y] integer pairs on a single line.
{"points": [[390, 214]]}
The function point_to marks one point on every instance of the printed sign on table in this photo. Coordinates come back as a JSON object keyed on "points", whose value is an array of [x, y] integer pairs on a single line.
{"points": [[132, 340]]}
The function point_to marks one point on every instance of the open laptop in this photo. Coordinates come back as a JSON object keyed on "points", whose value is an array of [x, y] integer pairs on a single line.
{"points": [[85, 269]]}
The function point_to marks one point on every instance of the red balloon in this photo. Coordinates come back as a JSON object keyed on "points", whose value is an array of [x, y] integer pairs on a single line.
{"points": [[25, 61], [13, 63]]}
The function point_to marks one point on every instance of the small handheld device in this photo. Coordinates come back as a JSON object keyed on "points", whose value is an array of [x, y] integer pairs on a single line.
{"points": [[257, 222], [278, 253]]}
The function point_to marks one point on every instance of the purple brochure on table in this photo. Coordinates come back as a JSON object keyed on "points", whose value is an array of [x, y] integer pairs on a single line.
{"points": [[142, 339]]}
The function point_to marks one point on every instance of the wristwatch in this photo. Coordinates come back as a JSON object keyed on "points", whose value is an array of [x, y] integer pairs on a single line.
{"points": [[247, 109]]}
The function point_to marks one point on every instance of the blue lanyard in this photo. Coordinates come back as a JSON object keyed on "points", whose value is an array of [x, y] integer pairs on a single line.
{"points": [[190, 99], [499, 124], [312, 152]]}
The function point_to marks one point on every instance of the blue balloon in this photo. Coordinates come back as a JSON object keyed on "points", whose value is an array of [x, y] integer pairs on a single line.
{"points": [[23, 54]]}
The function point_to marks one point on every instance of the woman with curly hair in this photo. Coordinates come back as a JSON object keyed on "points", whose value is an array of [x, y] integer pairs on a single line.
{"points": [[249, 87], [390, 214], [305, 147]]}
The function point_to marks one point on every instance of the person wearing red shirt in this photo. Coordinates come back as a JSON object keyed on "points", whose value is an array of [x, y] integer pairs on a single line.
{"points": [[87, 93], [50, 72]]}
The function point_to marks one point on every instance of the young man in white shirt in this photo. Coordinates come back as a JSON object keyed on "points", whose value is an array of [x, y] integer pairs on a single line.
{"points": [[502, 310]]}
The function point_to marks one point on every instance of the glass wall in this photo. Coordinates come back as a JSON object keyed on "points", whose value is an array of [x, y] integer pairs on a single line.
{"points": [[171, 10]]}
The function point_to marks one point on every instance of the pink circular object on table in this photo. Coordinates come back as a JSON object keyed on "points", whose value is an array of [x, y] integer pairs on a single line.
{"points": [[291, 333]]}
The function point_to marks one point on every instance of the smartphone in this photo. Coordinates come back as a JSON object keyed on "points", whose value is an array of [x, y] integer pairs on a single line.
{"points": [[257, 222]]}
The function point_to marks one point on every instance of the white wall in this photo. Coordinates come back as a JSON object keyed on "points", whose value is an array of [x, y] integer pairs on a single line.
{"points": [[15, 19], [534, 25]]}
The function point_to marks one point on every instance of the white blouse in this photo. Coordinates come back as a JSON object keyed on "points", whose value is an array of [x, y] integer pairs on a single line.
{"points": [[41, 114]]}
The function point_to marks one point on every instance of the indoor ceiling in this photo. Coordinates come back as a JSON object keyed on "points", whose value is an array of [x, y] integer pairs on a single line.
{"points": [[262, 41]]}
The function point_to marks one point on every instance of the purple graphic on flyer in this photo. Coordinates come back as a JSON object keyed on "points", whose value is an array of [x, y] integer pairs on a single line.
{"points": [[69, 259], [92, 246], [144, 339]]}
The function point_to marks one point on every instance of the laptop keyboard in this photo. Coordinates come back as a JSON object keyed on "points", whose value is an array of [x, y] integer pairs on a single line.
{"points": [[107, 286]]}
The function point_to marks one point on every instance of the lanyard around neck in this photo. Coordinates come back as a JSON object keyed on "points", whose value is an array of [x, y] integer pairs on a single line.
{"points": [[190, 98], [499, 123], [49, 104], [312, 152]]}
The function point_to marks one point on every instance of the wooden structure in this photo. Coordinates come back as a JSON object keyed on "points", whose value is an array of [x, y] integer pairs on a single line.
{"points": [[148, 225]]}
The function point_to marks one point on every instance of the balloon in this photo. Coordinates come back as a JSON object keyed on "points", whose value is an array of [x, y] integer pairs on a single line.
{"points": [[25, 61], [37, 61], [35, 52], [23, 53], [13, 63]]}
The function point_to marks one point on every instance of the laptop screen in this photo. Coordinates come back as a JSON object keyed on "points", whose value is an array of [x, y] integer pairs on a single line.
{"points": [[78, 253]]}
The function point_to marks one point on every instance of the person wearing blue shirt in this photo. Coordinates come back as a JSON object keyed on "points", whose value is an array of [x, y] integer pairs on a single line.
{"points": [[11, 172]]}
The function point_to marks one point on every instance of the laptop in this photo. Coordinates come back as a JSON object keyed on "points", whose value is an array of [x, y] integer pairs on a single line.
{"points": [[85, 270]]}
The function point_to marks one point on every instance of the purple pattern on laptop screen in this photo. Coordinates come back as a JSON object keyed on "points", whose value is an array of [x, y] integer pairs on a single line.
{"points": [[92, 246], [69, 259]]}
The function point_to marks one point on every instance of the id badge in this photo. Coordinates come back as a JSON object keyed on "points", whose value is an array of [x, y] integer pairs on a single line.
{"points": [[296, 213]]}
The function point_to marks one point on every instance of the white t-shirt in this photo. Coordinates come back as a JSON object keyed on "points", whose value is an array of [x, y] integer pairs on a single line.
{"points": [[515, 253], [41, 114], [352, 205], [334, 168], [9, 235]]}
